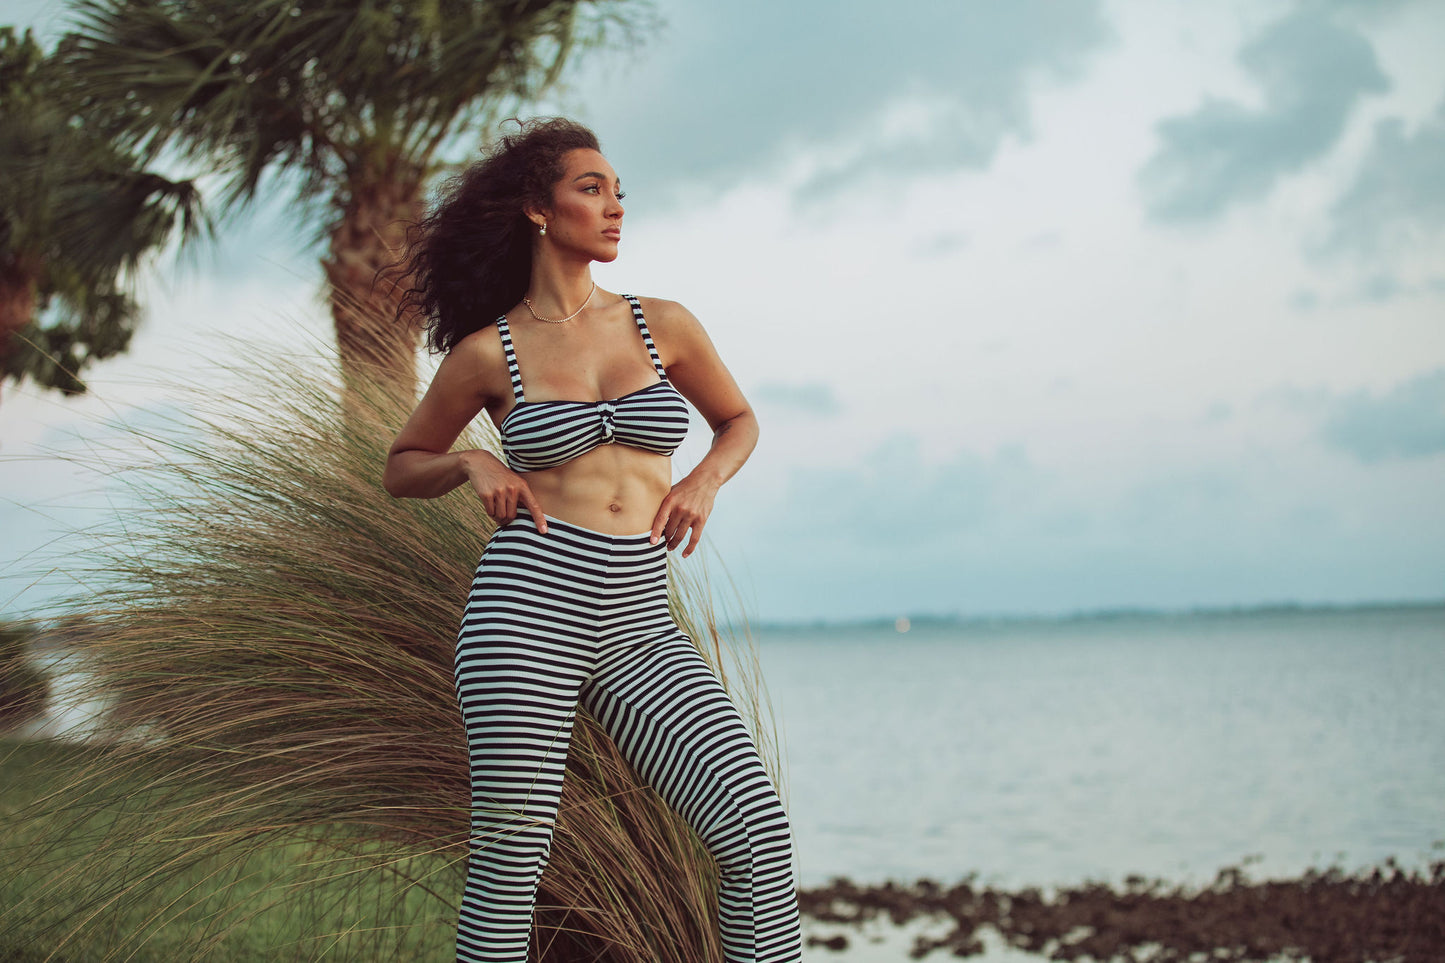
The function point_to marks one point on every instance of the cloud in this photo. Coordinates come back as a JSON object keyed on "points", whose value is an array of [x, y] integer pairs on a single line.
{"points": [[813, 398], [1202, 501], [730, 89], [893, 501], [1406, 422], [942, 244], [1380, 288], [1368, 9], [1398, 196], [1311, 72], [1218, 413]]}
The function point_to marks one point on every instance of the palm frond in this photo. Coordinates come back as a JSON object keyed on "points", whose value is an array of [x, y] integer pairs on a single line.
{"points": [[327, 88]]}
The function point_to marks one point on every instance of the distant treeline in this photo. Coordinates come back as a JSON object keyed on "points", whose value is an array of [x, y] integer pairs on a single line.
{"points": [[953, 620], [23, 687]]}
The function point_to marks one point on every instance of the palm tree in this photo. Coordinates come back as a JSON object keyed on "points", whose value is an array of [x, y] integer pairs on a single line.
{"points": [[77, 217], [347, 102]]}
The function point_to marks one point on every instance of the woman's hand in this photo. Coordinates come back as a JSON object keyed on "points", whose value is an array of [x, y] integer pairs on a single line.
{"points": [[500, 489], [685, 508]]}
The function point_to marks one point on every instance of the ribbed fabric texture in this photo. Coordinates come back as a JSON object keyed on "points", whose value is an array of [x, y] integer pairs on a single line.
{"points": [[545, 434], [580, 616]]}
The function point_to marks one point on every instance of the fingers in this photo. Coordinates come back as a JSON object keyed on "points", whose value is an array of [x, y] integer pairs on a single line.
{"points": [[673, 524], [678, 531], [533, 506], [503, 496], [696, 537], [499, 506]]}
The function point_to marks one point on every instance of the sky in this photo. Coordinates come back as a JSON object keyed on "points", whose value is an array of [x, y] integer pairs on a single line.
{"points": [[1043, 307]]}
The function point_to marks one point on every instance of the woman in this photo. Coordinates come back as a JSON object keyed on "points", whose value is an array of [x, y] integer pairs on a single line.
{"points": [[569, 603]]}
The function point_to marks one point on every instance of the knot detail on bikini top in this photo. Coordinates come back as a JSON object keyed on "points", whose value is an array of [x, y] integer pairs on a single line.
{"points": [[608, 412]]}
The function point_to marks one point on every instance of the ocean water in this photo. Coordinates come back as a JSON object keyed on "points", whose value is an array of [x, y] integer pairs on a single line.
{"points": [[1043, 753]]}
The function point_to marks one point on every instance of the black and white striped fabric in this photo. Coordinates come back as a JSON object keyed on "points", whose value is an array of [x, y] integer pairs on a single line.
{"points": [[545, 434], [577, 615]]}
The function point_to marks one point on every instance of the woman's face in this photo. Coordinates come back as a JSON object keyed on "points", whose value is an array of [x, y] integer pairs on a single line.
{"points": [[586, 214]]}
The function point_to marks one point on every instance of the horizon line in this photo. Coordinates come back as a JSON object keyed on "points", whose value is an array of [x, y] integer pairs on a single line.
{"points": [[1102, 614]]}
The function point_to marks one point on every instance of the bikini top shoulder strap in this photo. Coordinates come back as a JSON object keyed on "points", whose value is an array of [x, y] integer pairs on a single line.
{"points": [[646, 335], [511, 354]]}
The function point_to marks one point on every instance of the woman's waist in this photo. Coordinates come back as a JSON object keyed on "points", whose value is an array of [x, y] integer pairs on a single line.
{"points": [[611, 533], [616, 503]]}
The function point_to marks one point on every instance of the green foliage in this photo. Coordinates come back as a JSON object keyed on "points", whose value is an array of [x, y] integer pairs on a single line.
{"points": [[278, 633], [77, 216], [283, 901], [337, 91]]}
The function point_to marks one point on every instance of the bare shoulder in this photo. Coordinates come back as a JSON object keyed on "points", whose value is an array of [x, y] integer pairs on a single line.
{"points": [[477, 363], [483, 346], [681, 340], [671, 322]]}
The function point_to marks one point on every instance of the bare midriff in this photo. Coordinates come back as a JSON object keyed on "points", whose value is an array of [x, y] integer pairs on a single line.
{"points": [[612, 488]]}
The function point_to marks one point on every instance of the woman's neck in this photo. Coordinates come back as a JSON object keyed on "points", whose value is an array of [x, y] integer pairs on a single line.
{"points": [[559, 289]]}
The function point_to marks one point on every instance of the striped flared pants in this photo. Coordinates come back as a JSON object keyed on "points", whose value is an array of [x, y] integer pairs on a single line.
{"points": [[580, 616]]}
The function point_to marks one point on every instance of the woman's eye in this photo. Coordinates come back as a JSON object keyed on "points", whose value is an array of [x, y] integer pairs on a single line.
{"points": [[621, 195]]}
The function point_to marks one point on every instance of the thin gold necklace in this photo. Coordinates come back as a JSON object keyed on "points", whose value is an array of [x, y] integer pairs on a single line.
{"points": [[528, 303]]}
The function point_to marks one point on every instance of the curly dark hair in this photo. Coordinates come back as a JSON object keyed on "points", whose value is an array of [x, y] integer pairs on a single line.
{"points": [[470, 260]]}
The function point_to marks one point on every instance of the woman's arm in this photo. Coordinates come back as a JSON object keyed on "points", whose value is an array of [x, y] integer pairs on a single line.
{"points": [[421, 463], [694, 368]]}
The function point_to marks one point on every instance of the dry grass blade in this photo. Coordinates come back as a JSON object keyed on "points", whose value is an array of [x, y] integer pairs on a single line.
{"points": [[277, 634]]}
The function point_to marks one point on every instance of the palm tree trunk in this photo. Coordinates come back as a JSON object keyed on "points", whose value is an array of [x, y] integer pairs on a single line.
{"points": [[18, 276], [377, 349]]}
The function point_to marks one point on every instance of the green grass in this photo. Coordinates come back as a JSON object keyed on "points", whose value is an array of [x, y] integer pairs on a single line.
{"points": [[332, 896]]}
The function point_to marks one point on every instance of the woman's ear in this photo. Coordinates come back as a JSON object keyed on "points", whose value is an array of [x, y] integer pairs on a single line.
{"points": [[537, 216]]}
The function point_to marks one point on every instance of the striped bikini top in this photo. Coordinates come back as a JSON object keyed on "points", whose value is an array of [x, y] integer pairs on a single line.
{"points": [[544, 434]]}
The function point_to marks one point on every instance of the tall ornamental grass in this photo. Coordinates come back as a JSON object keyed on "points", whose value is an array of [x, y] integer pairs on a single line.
{"points": [[285, 748]]}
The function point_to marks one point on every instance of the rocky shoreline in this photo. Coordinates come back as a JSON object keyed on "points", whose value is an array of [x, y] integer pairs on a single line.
{"points": [[1326, 916]]}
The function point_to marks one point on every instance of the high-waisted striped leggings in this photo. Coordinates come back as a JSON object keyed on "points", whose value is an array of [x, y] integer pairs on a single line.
{"points": [[577, 615]]}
